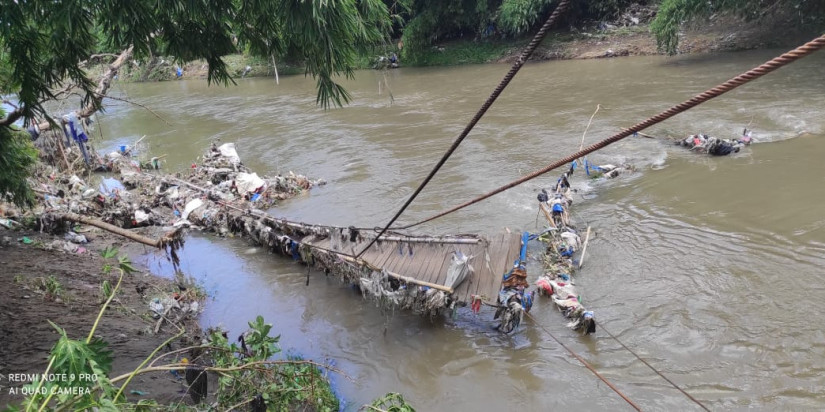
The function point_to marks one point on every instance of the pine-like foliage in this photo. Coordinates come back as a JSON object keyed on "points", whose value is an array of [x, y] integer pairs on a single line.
{"points": [[17, 158]]}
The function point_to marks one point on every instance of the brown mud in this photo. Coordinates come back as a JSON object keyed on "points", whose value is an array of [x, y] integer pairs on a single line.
{"points": [[719, 34], [127, 325], [33, 262]]}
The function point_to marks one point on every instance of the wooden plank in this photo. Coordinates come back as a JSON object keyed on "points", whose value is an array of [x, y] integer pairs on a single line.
{"points": [[425, 270], [495, 249], [387, 253], [448, 259], [482, 273], [501, 264], [443, 257], [406, 266], [394, 257], [441, 272], [374, 253], [322, 243]]}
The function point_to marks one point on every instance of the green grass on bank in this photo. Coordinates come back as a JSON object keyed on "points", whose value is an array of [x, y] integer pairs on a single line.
{"points": [[464, 52], [451, 53]]}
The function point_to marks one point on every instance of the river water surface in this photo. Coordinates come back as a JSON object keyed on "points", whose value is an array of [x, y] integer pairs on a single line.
{"points": [[710, 268]]}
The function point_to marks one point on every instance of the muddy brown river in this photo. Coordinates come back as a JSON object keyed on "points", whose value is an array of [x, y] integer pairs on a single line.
{"points": [[710, 268]]}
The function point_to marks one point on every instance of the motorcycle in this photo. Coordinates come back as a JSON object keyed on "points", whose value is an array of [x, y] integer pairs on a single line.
{"points": [[513, 299], [513, 304]]}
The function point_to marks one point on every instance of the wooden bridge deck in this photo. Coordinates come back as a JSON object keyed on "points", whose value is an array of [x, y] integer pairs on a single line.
{"points": [[429, 261]]}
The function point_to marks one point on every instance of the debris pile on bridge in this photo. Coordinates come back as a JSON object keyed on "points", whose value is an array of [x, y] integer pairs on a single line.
{"points": [[563, 240], [423, 274]]}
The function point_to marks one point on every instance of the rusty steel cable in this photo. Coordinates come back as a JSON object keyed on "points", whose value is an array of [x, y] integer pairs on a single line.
{"points": [[696, 401], [525, 55], [755, 73], [585, 363]]}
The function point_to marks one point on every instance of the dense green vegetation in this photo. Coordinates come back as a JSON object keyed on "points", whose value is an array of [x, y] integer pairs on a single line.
{"points": [[674, 13], [429, 22], [42, 43], [44, 47], [17, 157]]}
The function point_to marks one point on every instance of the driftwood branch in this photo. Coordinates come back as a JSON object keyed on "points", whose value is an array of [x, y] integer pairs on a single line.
{"points": [[158, 243], [100, 91], [11, 117]]}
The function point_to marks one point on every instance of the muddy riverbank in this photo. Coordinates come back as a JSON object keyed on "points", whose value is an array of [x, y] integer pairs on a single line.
{"points": [[721, 33], [45, 281]]}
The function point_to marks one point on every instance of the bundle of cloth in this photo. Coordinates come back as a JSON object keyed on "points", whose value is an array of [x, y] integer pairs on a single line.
{"points": [[563, 293], [703, 143]]}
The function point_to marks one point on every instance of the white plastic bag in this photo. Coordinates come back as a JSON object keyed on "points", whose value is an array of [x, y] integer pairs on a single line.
{"points": [[459, 269]]}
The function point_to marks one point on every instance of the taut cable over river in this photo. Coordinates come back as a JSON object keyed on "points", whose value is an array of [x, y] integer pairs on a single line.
{"points": [[333, 248]]}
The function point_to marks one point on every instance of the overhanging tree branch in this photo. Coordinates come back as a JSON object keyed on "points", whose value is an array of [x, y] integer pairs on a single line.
{"points": [[96, 99]]}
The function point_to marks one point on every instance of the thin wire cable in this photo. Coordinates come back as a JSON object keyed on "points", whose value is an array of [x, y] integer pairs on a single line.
{"points": [[585, 363], [723, 88], [531, 47], [654, 369]]}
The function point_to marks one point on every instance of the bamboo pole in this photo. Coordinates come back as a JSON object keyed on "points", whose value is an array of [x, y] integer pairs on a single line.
{"points": [[581, 146], [547, 214], [158, 243], [584, 249]]}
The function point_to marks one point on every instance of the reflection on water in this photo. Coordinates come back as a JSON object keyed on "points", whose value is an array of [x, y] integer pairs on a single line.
{"points": [[709, 267]]}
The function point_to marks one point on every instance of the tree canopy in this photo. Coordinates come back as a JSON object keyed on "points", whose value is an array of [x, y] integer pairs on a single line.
{"points": [[430, 21], [43, 43]]}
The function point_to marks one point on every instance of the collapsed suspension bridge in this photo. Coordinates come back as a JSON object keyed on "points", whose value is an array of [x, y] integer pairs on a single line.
{"points": [[419, 272]]}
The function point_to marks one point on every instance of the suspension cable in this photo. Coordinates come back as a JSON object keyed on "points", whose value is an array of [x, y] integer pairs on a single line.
{"points": [[585, 363], [601, 324], [723, 88], [525, 55]]}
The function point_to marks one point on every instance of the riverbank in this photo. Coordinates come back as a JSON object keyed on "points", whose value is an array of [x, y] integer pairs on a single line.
{"points": [[45, 281], [65, 279], [719, 34]]}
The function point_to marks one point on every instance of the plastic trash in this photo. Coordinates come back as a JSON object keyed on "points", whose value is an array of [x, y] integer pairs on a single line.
{"points": [[141, 216], [75, 181], [156, 307], [459, 268], [109, 185], [89, 193], [76, 238], [26, 241], [228, 150], [248, 183], [7, 223], [191, 206]]}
